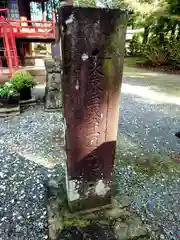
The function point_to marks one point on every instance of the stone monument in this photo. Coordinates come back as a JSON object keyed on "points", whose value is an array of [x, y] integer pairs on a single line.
{"points": [[53, 94], [92, 58]]}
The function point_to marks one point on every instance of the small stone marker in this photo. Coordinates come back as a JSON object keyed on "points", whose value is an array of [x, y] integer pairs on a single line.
{"points": [[55, 48], [53, 95], [92, 54]]}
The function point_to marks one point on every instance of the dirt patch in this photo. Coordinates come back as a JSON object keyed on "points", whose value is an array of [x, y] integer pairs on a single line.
{"points": [[3, 78], [170, 69], [40, 79], [140, 62]]}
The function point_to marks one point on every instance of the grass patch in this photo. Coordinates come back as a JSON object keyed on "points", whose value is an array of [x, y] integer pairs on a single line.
{"points": [[156, 164], [133, 61], [149, 164]]}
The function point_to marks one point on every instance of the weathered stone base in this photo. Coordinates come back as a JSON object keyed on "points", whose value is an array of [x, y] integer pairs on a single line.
{"points": [[53, 100], [9, 112], [111, 222], [89, 203], [87, 195]]}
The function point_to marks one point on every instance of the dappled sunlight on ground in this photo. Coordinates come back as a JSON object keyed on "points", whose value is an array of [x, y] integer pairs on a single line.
{"points": [[164, 83], [138, 71], [132, 76], [141, 74], [151, 74], [147, 93]]}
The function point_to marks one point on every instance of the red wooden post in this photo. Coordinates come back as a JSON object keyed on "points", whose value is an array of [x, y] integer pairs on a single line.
{"points": [[7, 49], [53, 22], [1, 65]]}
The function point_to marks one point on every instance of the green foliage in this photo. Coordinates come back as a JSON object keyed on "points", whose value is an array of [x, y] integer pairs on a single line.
{"points": [[155, 52], [22, 79], [7, 90], [40, 47], [174, 51], [135, 44]]}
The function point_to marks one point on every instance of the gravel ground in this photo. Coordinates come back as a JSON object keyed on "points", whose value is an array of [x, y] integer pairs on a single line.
{"points": [[29, 156], [150, 126], [147, 127]]}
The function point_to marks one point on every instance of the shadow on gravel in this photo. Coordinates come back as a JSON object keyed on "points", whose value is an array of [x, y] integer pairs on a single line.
{"points": [[91, 232]]}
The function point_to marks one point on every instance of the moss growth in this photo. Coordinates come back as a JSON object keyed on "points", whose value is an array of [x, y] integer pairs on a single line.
{"points": [[133, 61], [101, 221], [149, 164], [155, 164], [76, 222]]}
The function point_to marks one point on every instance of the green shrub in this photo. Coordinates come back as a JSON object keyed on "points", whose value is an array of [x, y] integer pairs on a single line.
{"points": [[174, 51], [156, 52], [22, 79], [40, 47], [135, 45], [7, 90]]}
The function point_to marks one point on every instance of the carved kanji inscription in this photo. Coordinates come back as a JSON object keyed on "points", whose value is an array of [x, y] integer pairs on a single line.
{"points": [[91, 81]]}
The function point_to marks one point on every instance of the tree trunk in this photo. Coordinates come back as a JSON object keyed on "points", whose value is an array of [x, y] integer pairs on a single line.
{"points": [[178, 35], [173, 30], [161, 36], [42, 6], [146, 34]]}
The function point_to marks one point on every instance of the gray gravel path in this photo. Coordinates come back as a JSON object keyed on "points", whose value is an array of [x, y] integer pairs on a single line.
{"points": [[150, 126], [149, 119], [29, 156], [150, 110]]}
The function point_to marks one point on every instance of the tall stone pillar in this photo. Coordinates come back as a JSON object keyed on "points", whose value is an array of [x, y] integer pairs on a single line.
{"points": [[56, 45], [93, 52]]}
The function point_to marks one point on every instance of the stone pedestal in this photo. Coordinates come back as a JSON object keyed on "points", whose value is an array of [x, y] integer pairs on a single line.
{"points": [[93, 52], [55, 49], [56, 45], [53, 93]]}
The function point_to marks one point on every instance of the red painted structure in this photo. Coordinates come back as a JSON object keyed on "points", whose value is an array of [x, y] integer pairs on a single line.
{"points": [[11, 30]]}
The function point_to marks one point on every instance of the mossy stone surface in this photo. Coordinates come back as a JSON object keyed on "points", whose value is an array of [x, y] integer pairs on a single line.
{"points": [[100, 223]]}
